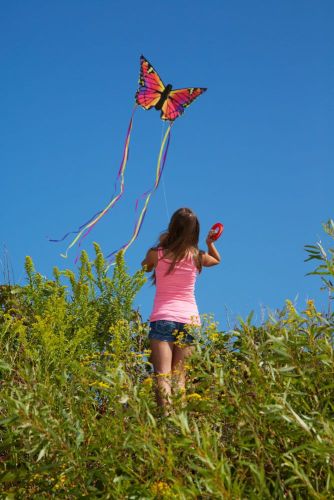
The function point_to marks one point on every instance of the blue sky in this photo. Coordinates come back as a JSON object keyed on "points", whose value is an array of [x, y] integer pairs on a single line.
{"points": [[254, 152]]}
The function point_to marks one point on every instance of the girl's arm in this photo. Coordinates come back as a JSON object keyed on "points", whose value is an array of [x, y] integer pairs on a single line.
{"points": [[150, 261], [211, 257]]}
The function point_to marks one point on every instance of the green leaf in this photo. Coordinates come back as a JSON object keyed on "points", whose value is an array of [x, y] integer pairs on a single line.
{"points": [[8, 420], [41, 454]]}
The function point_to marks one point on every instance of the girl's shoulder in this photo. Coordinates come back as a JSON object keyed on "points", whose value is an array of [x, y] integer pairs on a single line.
{"points": [[192, 255]]}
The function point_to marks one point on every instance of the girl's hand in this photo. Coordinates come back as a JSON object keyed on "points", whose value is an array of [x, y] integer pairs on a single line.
{"points": [[210, 238]]}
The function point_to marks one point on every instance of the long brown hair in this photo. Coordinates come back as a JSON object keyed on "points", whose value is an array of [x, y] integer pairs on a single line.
{"points": [[181, 238]]}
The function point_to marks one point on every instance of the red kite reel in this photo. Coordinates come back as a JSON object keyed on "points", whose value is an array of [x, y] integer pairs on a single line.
{"points": [[216, 231]]}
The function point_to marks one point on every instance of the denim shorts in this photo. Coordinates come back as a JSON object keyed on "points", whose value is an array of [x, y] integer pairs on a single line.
{"points": [[169, 331]]}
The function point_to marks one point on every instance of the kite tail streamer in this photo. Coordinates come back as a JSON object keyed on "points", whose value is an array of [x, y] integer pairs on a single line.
{"points": [[85, 228], [159, 170]]}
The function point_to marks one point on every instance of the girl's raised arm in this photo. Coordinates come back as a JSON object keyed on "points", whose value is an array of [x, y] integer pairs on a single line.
{"points": [[211, 257]]}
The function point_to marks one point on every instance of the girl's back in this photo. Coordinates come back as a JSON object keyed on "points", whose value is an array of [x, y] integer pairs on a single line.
{"points": [[175, 291]]}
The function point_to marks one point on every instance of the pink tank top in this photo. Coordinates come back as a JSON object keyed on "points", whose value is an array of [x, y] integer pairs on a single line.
{"points": [[175, 292]]}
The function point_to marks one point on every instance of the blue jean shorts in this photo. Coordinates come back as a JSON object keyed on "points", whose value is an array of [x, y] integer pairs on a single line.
{"points": [[169, 331]]}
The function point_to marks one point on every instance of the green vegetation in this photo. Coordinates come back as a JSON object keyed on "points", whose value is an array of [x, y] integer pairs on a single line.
{"points": [[78, 417]]}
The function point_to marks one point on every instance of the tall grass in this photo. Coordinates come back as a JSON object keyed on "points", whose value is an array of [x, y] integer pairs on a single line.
{"points": [[78, 417]]}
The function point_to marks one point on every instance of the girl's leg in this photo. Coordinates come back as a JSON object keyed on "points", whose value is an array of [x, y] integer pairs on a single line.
{"points": [[161, 358], [178, 366]]}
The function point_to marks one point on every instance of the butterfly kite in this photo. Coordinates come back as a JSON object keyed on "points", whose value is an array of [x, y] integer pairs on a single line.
{"points": [[152, 93]]}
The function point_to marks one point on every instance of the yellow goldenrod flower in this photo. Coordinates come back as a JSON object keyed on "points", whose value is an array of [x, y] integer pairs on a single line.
{"points": [[148, 381], [194, 395], [102, 384], [290, 307], [160, 487], [167, 374]]}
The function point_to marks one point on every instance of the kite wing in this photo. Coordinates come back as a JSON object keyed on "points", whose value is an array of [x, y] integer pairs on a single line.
{"points": [[150, 85], [178, 100]]}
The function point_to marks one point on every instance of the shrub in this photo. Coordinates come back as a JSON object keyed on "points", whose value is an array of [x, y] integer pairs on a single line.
{"points": [[79, 418]]}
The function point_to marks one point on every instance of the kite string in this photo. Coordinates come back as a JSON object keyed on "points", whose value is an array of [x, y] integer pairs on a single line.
{"points": [[85, 229], [163, 179], [159, 170]]}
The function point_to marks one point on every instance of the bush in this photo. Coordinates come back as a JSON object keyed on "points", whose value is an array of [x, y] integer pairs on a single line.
{"points": [[79, 418]]}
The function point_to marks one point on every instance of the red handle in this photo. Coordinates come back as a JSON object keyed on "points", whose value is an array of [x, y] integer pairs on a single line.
{"points": [[217, 229]]}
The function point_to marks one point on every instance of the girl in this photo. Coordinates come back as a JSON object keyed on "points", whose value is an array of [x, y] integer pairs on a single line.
{"points": [[176, 262]]}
